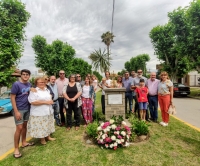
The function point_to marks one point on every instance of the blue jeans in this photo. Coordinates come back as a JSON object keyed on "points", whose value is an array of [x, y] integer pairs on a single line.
{"points": [[153, 106], [129, 99], [56, 112]]}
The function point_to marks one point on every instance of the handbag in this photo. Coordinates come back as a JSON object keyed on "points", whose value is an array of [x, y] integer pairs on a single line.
{"points": [[172, 110]]}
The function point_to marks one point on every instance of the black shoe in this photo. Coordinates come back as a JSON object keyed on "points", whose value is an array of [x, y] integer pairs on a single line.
{"points": [[148, 120], [155, 121], [59, 124]]}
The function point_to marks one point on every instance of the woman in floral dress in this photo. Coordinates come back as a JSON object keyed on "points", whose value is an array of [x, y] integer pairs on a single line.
{"points": [[41, 121]]}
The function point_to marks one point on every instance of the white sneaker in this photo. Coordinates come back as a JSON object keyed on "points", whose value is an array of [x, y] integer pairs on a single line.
{"points": [[162, 123], [165, 124]]}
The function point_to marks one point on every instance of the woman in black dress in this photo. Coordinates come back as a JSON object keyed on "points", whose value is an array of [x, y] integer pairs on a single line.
{"points": [[71, 93]]}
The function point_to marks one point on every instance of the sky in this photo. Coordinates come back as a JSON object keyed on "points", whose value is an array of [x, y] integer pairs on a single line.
{"points": [[81, 23]]}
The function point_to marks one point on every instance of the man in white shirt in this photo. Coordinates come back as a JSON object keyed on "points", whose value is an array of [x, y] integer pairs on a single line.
{"points": [[106, 85], [61, 81]]}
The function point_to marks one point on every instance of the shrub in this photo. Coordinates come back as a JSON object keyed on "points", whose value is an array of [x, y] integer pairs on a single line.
{"points": [[140, 127], [91, 129]]}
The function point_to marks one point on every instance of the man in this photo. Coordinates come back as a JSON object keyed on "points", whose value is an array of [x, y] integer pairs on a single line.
{"points": [[133, 75], [54, 88], [78, 79], [152, 85], [134, 85], [61, 81], [19, 99], [106, 85], [128, 94]]}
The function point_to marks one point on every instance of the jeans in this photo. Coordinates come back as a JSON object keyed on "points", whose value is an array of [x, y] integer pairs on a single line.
{"points": [[73, 106], [103, 103], [56, 112], [61, 105], [129, 99], [153, 107]]}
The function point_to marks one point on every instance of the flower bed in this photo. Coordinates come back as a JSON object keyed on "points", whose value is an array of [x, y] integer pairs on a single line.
{"points": [[113, 134]]}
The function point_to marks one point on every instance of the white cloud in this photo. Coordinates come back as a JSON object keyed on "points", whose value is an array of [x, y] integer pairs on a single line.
{"points": [[81, 23]]}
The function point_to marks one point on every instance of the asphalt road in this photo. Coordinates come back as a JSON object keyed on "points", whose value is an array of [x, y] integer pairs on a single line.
{"points": [[188, 110]]}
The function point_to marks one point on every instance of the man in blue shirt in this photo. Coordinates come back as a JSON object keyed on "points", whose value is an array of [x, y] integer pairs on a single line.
{"points": [[54, 88], [128, 94]]}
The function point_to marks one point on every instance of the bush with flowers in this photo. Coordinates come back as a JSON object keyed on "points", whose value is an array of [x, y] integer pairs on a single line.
{"points": [[113, 133]]}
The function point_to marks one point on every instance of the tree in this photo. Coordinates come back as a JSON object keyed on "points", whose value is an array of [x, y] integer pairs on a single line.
{"points": [[53, 57], [13, 20], [80, 66], [138, 62], [169, 41], [98, 75], [100, 60], [121, 73], [107, 38]]}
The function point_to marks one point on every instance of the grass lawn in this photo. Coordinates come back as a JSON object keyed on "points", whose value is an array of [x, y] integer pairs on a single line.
{"points": [[195, 92], [174, 145]]}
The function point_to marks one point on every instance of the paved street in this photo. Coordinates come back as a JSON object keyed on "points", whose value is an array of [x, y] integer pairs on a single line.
{"points": [[187, 109]]}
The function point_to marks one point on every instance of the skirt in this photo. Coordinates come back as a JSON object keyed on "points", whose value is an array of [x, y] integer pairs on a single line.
{"points": [[87, 106], [41, 126]]}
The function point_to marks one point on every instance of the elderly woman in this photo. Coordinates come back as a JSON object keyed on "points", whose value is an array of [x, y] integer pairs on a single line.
{"points": [[165, 96], [71, 93], [41, 121], [87, 101]]}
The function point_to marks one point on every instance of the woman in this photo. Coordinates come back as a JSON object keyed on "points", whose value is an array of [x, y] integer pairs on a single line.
{"points": [[165, 97], [41, 121], [119, 82], [87, 101], [72, 92]]}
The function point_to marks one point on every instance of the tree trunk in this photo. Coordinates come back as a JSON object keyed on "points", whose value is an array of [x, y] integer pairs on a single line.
{"points": [[174, 78]]}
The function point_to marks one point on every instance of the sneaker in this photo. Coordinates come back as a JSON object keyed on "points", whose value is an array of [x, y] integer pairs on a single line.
{"points": [[162, 123], [165, 124]]}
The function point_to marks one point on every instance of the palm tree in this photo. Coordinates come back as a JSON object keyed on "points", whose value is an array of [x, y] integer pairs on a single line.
{"points": [[100, 60], [107, 38]]}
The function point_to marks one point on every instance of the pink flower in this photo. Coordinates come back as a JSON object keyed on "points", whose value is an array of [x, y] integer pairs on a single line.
{"points": [[119, 136], [115, 147], [118, 128], [127, 128], [106, 124], [108, 140]]}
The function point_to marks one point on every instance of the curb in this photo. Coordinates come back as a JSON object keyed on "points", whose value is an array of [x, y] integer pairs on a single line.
{"points": [[193, 97], [12, 150]]}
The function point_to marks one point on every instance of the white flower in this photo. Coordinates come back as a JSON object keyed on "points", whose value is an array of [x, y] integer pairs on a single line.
{"points": [[127, 136], [115, 144], [113, 126], [101, 140], [102, 124], [127, 144], [117, 132], [103, 136], [118, 141], [123, 133], [122, 140], [124, 123], [111, 121], [99, 128], [113, 138], [100, 133], [105, 130], [111, 145], [106, 145]]}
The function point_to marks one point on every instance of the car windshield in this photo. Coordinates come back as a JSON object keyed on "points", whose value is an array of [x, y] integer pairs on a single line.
{"points": [[181, 85], [5, 95]]}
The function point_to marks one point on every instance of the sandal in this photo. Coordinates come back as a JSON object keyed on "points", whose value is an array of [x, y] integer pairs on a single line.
{"points": [[68, 128], [18, 155], [28, 144], [76, 128]]}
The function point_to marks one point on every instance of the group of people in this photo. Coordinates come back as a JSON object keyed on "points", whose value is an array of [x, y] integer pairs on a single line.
{"points": [[146, 93], [36, 107]]}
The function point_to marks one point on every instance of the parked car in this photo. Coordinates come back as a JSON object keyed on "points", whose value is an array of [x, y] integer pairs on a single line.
{"points": [[5, 103], [181, 90]]}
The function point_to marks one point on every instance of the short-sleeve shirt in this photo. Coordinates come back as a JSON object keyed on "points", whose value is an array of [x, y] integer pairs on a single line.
{"points": [[142, 94], [136, 81], [163, 87], [60, 84], [127, 83], [40, 95], [21, 90]]}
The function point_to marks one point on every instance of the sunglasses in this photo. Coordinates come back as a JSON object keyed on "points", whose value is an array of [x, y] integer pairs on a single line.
{"points": [[78, 76], [62, 73], [139, 72]]}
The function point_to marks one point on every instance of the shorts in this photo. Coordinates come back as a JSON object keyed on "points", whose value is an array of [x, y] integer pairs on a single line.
{"points": [[24, 117], [142, 105]]}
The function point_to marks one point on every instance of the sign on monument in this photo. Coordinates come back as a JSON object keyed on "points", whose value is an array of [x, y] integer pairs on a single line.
{"points": [[115, 99]]}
